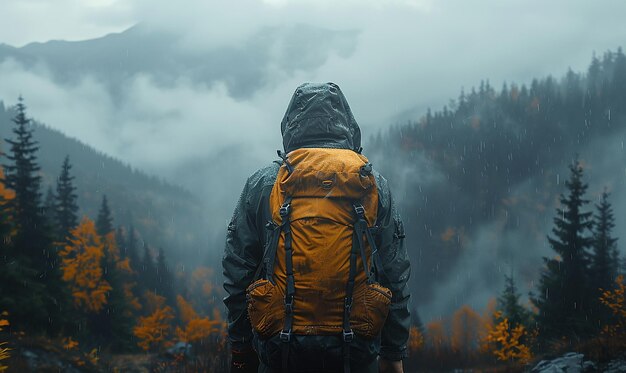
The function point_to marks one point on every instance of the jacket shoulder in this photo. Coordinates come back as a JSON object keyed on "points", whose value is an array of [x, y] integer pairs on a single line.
{"points": [[384, 194], [263, 177]]}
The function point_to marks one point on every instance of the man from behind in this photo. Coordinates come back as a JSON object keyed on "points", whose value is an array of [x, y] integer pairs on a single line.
{"points": [[315, 265]]}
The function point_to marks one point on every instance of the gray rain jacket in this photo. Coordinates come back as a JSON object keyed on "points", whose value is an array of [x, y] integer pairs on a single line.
{"points": [[317, 116]]}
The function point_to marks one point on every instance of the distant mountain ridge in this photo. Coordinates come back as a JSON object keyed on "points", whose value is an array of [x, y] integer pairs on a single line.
{"points": [[165, 215], [244, 69]]}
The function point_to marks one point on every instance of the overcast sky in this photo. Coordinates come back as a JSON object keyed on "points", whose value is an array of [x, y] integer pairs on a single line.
{"points": [[392, 59], [405, 55]]}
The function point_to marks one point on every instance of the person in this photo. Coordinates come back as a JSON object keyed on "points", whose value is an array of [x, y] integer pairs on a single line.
{"points": [[317, 118]]}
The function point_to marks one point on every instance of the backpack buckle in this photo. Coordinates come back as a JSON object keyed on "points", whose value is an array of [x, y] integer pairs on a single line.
{"points": [[284, 210], [348, 336], [285, 336], [289, 304], [359, 210]]}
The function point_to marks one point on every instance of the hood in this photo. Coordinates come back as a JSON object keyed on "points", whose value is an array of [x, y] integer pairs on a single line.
{"points": [[318, 116]]}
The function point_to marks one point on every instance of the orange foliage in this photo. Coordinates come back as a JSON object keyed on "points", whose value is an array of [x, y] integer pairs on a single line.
{"points": [[467, 327], [186, 311], [152, 331], [153, 301], [130, 296], [196, 328], [436, 336], [4, 351], [416, 339], [69, 343], [615, 300], [5, 193], [201, 281], [81, 262], [506, 343]]}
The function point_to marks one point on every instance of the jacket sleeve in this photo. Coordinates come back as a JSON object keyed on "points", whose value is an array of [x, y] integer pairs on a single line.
{"points": [[242, 255], [395, 274]]}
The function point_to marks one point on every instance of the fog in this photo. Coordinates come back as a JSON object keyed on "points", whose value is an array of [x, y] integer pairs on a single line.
{"points": [[195, 92]]}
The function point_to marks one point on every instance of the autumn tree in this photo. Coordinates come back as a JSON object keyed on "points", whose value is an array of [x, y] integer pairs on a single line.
{"points": [[615, 301], [115, 321], [466, 330], [195, 328], [416, 339], [82, 267], [436, 337], [6, 195], [66, 207], [563, 297], [153, 330], [5, 352], [507, 342]]}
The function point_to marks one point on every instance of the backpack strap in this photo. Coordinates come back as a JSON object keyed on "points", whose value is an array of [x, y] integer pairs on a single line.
{"points": [[285, 334], [283, 156], [361, 228]]}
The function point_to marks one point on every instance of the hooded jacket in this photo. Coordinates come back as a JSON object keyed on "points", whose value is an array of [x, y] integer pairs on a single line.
{"points": [[318, 116]]}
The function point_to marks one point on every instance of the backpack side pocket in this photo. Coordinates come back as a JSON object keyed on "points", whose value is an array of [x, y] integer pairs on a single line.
{"points": [[265, 308]]}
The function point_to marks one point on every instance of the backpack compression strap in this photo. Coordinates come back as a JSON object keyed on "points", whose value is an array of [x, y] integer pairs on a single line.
{"points": [[285, 334], [360, 229]]}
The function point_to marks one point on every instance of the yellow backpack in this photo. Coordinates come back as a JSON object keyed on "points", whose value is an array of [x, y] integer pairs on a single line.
{"points": [[320, 258]]}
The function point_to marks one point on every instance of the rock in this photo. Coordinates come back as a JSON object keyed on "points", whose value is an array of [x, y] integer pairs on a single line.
{"points": [[616, 366], [180, 348], [571, 362]]}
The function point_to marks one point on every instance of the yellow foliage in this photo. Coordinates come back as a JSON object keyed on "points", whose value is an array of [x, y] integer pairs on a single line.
{"points": [[615, 300], [416, 339], [153, 301], [152, 331], [467, 328], [93, 357], [81, 262], [436, 336], [69, 343], [130, 296], [201, 281], [4, 351], [506, 342], [186, 311], [6, 194], [196, 328]]}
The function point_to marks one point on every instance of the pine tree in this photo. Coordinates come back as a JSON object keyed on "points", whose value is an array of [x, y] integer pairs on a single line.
{"points": [[147, 275], [114, 323], [104, 223], [508, 305], [49, 210], [23, 178], [132, 250], [32, 290], [67, 209], [604, 263], [563, 291], [120, 236], [164, 279]]}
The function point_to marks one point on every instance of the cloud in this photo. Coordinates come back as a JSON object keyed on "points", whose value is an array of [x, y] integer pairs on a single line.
{"points": [[201, 102], [27, 21]]}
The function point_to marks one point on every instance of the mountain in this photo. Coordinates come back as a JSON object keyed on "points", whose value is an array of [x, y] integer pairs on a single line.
{"points": [[165, 215], [478, 181], [168, 57]]}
